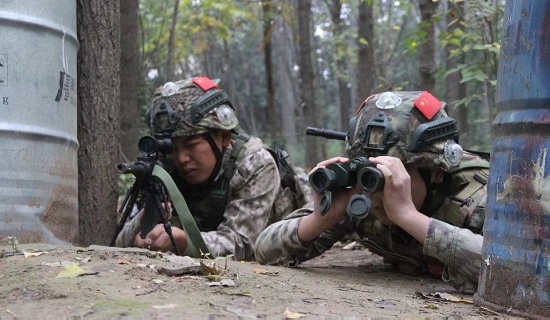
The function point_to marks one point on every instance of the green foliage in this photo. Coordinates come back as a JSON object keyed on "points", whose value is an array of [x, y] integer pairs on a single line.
{"points": [[469, 100], [197, 23], [477, 42], [224, 39], [125, 181], [413, 44], [477, 37], [418, 35], [469, 73], [396, 44]]}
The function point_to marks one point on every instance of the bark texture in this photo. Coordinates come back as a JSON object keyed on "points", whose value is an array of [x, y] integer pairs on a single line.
{"points": [[98, 27]]}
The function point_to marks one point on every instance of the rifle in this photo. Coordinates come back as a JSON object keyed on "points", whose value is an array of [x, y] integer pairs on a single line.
{"points": [[147, 190], [152, 187], [326, 133]]}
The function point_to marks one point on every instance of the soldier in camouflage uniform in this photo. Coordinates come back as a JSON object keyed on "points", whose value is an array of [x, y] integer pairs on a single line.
{"points": [[229, 180], [428, 217]]}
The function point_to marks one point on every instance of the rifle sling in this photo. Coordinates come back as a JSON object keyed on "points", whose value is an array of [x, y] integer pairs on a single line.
{"points": [[196, 247]]}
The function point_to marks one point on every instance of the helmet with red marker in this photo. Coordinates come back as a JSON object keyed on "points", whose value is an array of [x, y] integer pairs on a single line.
{"points": [[410, 125], [190, 107]]}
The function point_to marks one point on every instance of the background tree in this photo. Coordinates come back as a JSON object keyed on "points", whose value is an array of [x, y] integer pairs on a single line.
{"points": [[340, 53], [285, 52], [396, 45], [169, 69], [428, 67], [98, 26], [131, 84], [226, 39], [455, 89], [307, 79], [478, 41], [268, 26], [366, 71]]}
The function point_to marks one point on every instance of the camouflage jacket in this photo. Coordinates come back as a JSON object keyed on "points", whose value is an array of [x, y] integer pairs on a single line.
{"points": [[253, 190], [454, 250]]}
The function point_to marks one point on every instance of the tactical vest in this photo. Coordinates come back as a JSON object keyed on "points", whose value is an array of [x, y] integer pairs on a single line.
{"points": [[456, 208], [294, 192]]}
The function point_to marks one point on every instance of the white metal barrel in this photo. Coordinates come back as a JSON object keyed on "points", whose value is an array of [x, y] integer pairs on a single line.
{"points": [[38, 116]]}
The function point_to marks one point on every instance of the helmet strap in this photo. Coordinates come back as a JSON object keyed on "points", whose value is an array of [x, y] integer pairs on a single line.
{"points": [[217, 153], [434, 198]]}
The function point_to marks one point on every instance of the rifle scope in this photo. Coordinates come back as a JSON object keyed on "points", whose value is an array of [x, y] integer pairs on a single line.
{"points": [[152, 144]]}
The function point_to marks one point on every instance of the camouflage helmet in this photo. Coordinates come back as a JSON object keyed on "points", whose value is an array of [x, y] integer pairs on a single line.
{"points": [[411, 126], [190, 107]]}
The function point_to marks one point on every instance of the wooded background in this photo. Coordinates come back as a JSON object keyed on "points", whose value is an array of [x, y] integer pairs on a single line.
{"points": [[285, 64]]}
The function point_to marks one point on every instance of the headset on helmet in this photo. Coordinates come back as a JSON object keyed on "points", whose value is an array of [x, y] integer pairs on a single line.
{"points": [[411, 126]]}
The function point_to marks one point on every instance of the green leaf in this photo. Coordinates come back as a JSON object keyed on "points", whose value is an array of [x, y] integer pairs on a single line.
{"points": [[455, 42], [72, 271]]}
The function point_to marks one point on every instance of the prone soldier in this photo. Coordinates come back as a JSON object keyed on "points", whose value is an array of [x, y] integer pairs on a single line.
{"points": [[230, 180], [425, 218]]}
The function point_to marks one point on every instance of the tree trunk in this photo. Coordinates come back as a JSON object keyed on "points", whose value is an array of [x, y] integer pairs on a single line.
{"points": [[428, 67], [130, 80], [169, 64], [98, 118], [366, 71], [340, 46], [454, 90], [284, 49], [272, 114], [236, 83], [307, 80]]}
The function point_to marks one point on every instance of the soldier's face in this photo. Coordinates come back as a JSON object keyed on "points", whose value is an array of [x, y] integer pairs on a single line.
{"points": [[418, 195], [193, 157], [418, 188]]}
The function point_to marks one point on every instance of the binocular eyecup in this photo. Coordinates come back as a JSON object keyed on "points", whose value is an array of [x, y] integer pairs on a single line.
{"points": [[371, 179], [342, 175]]}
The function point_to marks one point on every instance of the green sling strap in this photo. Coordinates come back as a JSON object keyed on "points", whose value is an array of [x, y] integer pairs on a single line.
{"points": [[196, 247]]}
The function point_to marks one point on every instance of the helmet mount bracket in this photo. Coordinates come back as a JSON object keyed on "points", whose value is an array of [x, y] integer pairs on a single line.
{"points": [[208, 102], [165, 118], [427, 133], [379, 134]]}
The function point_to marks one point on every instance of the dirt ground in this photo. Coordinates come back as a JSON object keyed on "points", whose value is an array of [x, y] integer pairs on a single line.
{"points": [[49, 282]]}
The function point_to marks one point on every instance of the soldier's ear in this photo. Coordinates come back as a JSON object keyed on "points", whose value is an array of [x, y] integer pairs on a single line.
{"points": [[437, 175], [226, 138]]}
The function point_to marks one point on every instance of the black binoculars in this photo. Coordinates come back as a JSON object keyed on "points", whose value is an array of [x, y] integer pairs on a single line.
{"points": [[342, 175]]}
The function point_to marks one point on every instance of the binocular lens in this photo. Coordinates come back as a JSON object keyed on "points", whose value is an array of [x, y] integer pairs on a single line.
{"points": [[371, 179], [321, 179]]}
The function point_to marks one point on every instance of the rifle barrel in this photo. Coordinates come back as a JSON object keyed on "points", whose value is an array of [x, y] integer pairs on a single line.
{"points": [[326, 133], [137, 168]]}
